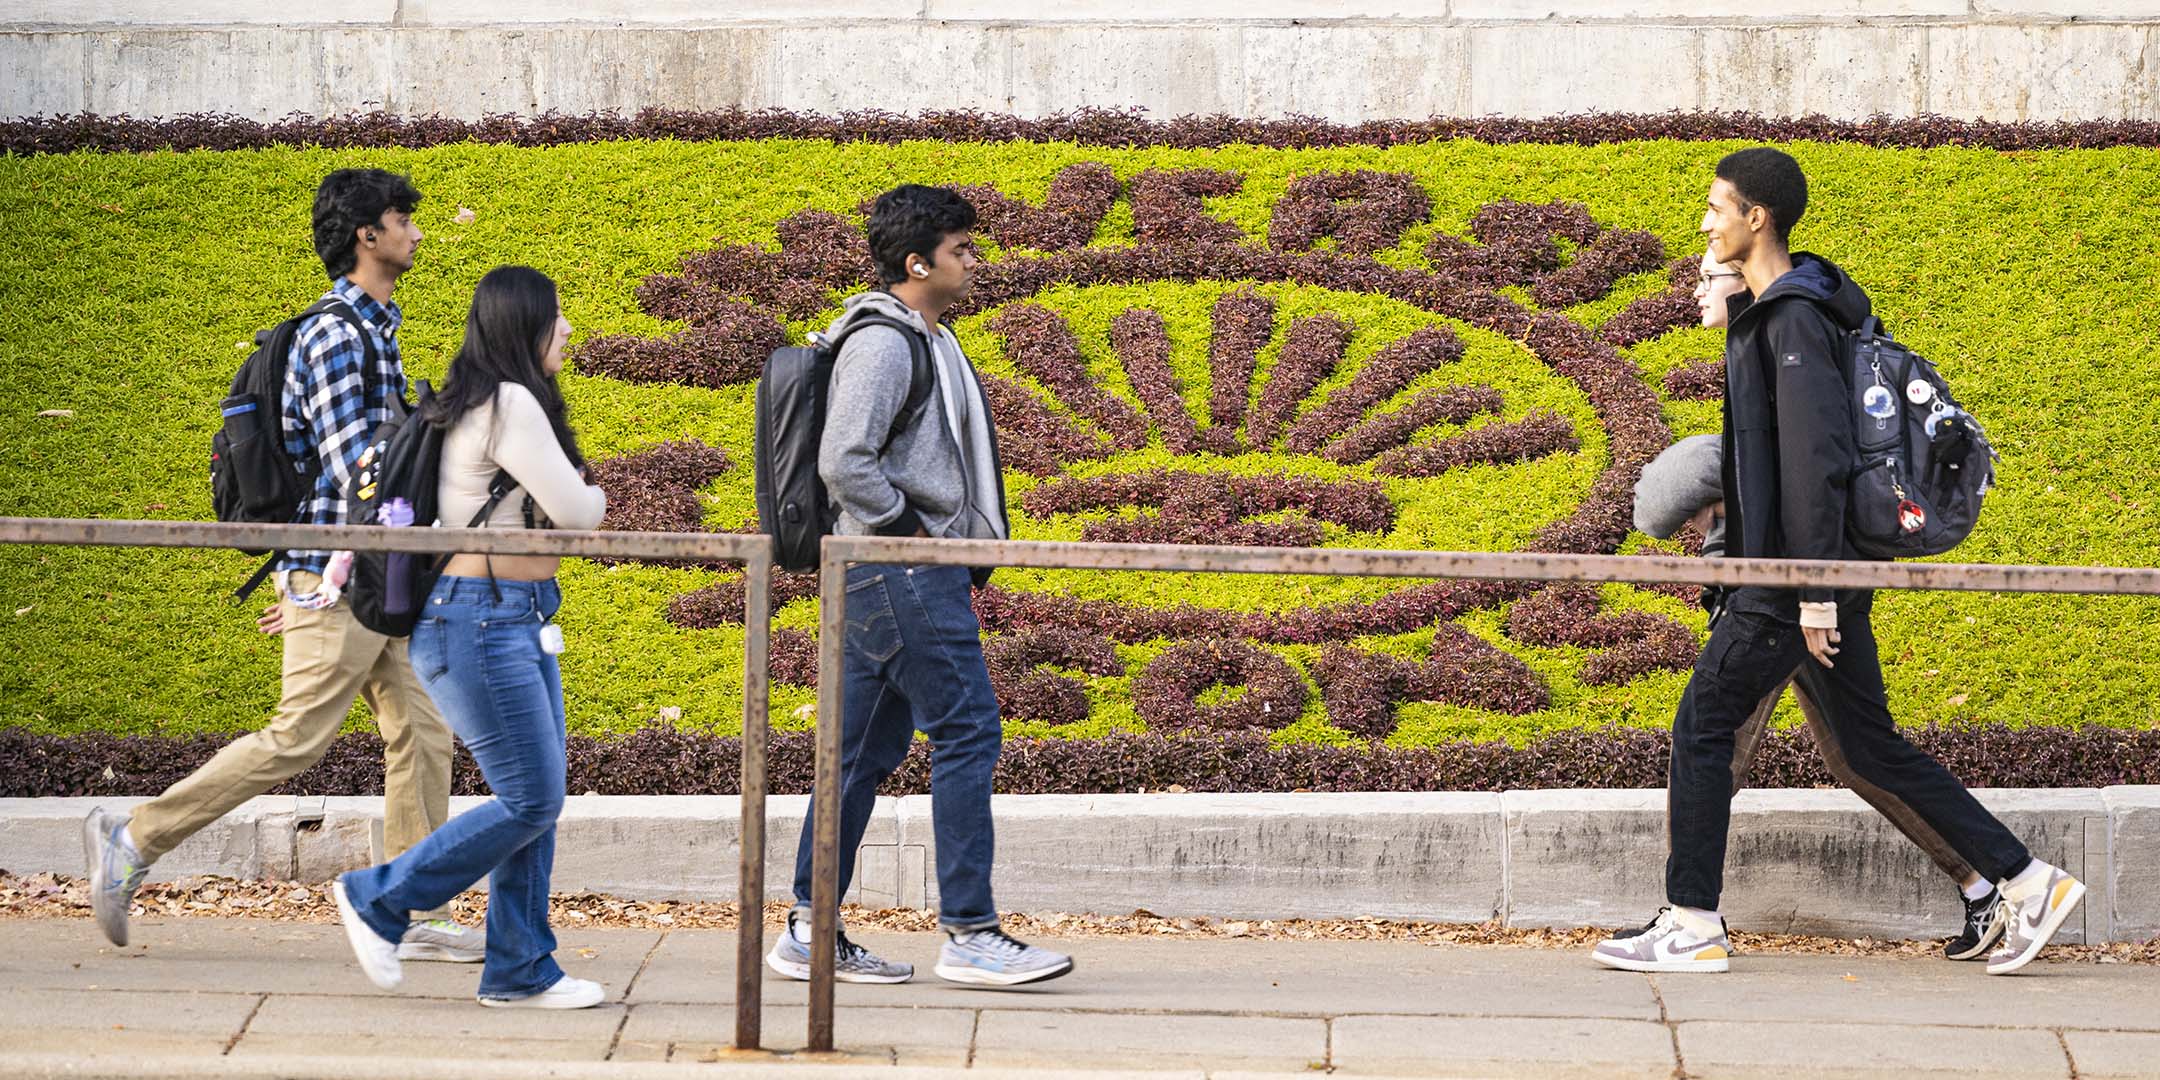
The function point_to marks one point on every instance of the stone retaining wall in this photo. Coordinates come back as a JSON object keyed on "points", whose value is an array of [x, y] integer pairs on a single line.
{"points": [[1346, 61], [1805, 861]]}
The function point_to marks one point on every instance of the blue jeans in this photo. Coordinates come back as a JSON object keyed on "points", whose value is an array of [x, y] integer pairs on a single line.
{"points": [[479, 657], [914, 661]]}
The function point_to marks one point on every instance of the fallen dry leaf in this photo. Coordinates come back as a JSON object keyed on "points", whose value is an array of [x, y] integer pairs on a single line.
{"points": [[56, 412], [1957, 699], [22, 611], [465, 215]]}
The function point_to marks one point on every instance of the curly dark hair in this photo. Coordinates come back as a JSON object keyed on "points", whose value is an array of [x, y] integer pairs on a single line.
{"points": [[1769, 178], [350, 199], [913, 219]]}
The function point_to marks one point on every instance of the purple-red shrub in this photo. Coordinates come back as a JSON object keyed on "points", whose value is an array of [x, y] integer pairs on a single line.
{"points": [[1634, 643], [1364, 211], [1361, 689], [1243, 322], [1031, 436], [1086, 126], [656, 490], [1167, 694], [1026, 691], [724, 602], [1143, 346], [1167, 209], [1702, 380], [664, 760], [1311, 352], [1596, 268], [1391, 369], [1442, 405], [1201, 508], [728, 346], [1071, 211], [1534, 436], [1039, 342]]}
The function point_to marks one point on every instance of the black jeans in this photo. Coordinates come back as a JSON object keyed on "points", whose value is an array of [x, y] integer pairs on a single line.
{"points": [[1751, 652]]}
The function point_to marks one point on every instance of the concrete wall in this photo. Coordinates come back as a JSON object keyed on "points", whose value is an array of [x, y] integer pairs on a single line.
{"points": [[1349, 60], [1801, 861]]}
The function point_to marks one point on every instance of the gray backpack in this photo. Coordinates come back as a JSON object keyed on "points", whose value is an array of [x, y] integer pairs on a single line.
{"points": [[1924, 463]]}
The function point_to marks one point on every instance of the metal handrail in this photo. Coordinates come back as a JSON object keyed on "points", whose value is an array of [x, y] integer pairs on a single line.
{"points": [[754, 552], [841, 552]]}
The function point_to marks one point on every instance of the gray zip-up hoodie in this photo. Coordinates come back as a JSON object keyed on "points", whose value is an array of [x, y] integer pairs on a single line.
{"points": [[889, 475]]}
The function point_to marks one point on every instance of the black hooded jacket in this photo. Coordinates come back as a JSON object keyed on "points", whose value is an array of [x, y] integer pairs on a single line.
{"points": [[1789, 446]]}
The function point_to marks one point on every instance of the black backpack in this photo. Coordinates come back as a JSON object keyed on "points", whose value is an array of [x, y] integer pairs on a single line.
{"points": [[403, 460], [792, 505], [1924, 463], [252, 478]]}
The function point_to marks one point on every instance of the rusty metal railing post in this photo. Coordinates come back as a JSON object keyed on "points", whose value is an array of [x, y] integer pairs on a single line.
{"points": [[825, 795], [756, 726]]}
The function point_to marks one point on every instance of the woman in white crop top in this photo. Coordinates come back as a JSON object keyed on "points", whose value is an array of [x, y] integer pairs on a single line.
{"points": [[485, 650]]}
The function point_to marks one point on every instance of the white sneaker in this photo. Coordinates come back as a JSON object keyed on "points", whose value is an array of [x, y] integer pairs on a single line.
{"points": [[378, 958], [441, 939], [567, 993], [1665, 945], [2034, 920]]}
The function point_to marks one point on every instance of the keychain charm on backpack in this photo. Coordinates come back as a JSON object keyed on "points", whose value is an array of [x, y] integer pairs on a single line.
{"points": [[1910, 517], [1879, 402]]}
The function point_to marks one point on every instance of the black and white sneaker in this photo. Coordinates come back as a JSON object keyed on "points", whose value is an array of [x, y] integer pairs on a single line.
{"points": [[1985, 919]]}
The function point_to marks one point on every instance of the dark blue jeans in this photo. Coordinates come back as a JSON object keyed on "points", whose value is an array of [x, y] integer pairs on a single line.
{"points": [[915, 662], [1749, 654], [480, 659]]}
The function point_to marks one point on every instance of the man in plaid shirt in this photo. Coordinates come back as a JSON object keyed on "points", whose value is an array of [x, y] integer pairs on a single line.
{"points": [[343, 377]]}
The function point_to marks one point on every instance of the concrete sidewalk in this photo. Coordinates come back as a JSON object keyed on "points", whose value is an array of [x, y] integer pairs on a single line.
{"points": [[233, 998]]}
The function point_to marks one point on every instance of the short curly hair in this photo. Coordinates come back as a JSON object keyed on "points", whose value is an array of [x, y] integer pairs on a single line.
{"points": [[913, 219], [350, 199], [1769, 178]]}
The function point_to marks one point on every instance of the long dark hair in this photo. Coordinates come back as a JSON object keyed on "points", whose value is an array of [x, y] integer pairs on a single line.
{"points": [[506, 334]]}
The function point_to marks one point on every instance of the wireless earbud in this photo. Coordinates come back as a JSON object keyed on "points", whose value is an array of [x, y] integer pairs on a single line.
{"points": [[919, 270]]}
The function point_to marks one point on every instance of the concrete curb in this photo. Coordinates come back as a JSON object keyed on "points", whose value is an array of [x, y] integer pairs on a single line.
{"points": [[1803, 861]]}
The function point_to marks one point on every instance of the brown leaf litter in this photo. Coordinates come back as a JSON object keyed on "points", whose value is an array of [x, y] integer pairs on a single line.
{"points": [[54, 896]]}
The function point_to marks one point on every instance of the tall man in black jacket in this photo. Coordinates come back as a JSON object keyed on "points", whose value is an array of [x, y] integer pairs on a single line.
{"points": [[1788, 451]]}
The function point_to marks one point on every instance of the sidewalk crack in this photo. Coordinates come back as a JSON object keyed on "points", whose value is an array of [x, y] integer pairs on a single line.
{"points": [[244, 1025], [642, 965], [1671, 1029], [974, 1030], [615, 1040], [2063, 1041]]}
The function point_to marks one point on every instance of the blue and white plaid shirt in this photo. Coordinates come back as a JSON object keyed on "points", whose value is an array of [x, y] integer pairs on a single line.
{"points": [[333, 403]]}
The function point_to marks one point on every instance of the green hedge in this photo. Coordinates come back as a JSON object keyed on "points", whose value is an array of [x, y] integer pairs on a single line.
{"points": [[130, 280]]}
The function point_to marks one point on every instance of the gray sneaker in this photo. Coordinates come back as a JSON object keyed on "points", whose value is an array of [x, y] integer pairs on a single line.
{"points": [[1665, 945], [441, 939], [116, 871], [991, 957], [2032, 921], [790, 956]]}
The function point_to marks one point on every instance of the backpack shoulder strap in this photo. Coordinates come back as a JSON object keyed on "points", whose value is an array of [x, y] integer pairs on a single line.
{"points": [[922, 377]]}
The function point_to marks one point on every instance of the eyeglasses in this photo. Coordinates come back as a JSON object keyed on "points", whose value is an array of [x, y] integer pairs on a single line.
{"points": [[1723, 273]]}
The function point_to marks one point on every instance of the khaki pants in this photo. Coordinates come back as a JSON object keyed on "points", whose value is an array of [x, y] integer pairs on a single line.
{"points": [[1748, 740], [329, 657]]}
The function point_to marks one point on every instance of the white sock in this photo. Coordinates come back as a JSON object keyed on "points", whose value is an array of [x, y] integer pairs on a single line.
{"points": [[2028, 881], [1978, 889], [1699, 921], [800, 928]]}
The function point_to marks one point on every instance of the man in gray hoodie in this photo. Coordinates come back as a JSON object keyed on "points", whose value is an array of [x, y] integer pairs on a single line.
{"points": [[903, 459]]}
